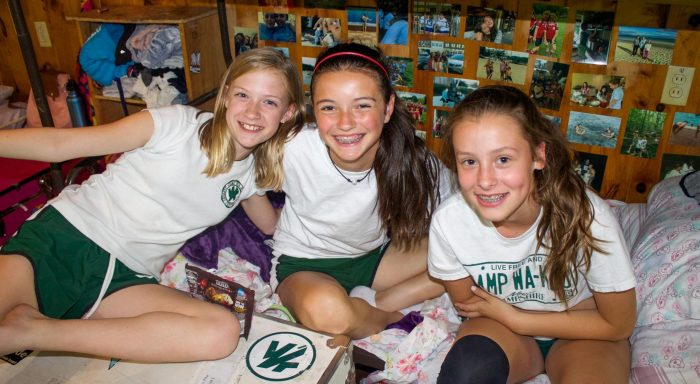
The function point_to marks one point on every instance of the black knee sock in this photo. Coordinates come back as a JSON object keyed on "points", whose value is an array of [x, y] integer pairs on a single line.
{"points": [[474, 359]]}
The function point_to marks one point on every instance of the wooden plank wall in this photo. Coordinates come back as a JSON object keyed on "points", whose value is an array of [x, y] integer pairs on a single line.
{"points": [[627, 178]]}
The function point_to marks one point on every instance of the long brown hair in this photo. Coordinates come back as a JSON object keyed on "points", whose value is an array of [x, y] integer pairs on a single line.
{"points": [[567, 213], [407, 172], [215, 136]]}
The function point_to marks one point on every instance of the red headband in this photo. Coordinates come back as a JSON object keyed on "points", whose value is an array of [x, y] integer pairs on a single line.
{"points": [[371, 60]]}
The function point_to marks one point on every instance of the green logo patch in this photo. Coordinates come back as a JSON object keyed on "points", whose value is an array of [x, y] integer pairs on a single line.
{"points": [[230, 193]]}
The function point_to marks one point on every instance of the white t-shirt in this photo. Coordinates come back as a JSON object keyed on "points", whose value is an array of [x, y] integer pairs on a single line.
{"points": [[325, 216], [461, 245], [145, 205]]}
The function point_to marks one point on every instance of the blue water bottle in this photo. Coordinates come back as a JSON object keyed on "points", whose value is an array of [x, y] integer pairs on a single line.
{"points": [[76, 109]]}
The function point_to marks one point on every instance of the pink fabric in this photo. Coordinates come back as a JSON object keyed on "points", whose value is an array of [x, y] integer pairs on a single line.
{"points": [[57, 105]]}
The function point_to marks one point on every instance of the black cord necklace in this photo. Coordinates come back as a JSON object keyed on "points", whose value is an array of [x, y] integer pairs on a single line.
{"points": [[353, 182]]}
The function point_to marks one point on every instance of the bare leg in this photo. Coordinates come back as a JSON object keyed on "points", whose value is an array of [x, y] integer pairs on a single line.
{"points": [[402, 278], [589, 361], [16, 288], [148, 323], [319, 302], [16, 284]]}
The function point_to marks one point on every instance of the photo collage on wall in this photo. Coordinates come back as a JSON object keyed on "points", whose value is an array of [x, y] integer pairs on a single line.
{"points": [[440, 56], [401, 70], [591, 168], [678, 165], [547, 83], [490, 24], [501, 64], [592, 34], [462, 46], [546, 33], [320, 31]]}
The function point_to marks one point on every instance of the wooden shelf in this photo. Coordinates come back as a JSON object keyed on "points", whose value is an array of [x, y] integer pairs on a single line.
{"points": [[200, 36]]}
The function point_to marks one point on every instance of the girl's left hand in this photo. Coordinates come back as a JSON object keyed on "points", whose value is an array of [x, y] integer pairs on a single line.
{"points": [[489, 306]]}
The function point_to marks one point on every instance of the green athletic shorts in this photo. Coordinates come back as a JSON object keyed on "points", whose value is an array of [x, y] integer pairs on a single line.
{"points": [[349, 272], [545, 346], [69, 268]]}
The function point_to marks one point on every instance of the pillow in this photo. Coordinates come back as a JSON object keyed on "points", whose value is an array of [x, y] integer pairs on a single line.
{"points": [[666, 257], [631, 217]]}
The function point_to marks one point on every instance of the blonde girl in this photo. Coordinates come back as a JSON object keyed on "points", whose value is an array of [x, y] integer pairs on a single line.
{"points": [[81, 275], [356, 178], [535, 262]]}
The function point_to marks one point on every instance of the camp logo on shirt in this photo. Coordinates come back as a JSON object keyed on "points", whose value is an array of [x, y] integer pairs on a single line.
{"points": [[230, 193], [280, 356]]}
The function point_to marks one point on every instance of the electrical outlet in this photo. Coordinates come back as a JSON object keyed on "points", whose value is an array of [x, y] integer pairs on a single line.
{"points": [[42, 34]]}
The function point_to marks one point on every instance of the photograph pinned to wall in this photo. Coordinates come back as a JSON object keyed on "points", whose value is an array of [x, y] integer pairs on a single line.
{"points": [[678, 165], [439, 121], [590, 167], [677, 85], [501, 64], [643, 133], [599, 91], [362, 26], [592, 33], [324, 4], [401, 71], [685, 129], [547, 27], [417, 105], [393, 22], [490, 24], [448, 91], [279, 27], [556, 120], [440, 56], [320, 31], [244, 39], [645, 45], [598, 130], [547, 85], [307, 69], [433, 18]]}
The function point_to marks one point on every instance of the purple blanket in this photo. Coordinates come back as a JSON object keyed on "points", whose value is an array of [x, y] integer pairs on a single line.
{"points": [[238, 233]]}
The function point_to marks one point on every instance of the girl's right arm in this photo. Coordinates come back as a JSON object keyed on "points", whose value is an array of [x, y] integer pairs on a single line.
{"points": [[56, 144]]}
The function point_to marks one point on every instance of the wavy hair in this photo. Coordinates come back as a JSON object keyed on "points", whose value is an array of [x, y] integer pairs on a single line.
{"points": [[215, 136], [407, 172], [567, 213]]}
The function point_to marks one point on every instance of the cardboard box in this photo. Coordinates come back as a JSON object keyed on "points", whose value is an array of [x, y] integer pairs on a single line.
{"points": [[275, 351]]}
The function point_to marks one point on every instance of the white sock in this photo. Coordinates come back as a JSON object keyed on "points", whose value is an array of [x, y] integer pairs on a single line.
{"points": [[370, 296], [365, 293]]}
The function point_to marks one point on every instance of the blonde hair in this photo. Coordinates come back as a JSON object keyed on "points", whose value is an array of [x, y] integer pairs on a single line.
{"points": [[567, 213], [215, 136]]}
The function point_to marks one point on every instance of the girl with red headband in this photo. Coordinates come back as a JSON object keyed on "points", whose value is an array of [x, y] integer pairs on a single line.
{"points": [[355, 179]]}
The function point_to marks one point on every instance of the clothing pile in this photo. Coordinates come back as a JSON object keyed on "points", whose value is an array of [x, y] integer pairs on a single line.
{"points": [[131, 60]]}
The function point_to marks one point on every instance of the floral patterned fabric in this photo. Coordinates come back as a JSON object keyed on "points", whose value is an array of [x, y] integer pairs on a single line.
{"points": [[666, 259]]}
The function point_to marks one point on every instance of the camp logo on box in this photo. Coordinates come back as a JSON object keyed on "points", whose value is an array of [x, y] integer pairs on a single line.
{"points": [[280, 356]]}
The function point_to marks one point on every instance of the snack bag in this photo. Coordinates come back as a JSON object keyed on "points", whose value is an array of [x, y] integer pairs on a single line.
{"points": [[212, 288]]}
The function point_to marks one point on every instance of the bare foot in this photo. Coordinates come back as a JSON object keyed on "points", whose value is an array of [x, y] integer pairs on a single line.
{"points": [[15, 328]]}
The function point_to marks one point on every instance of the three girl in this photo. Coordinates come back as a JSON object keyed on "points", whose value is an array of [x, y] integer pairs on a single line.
{"points": [[352, 182], [96, 249], [534, 260]]}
